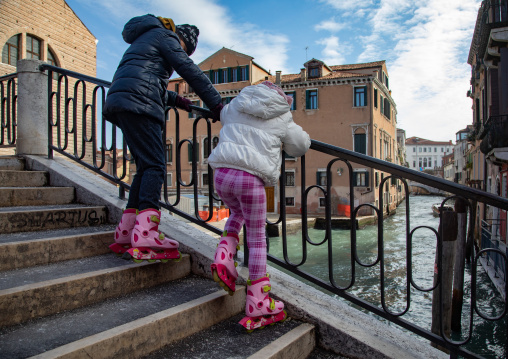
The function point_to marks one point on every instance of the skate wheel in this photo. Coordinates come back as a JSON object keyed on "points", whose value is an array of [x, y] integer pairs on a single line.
{"points": [[137, 260], [118, 254], [151, 260], [164, 260], [216, 276], [285, 316], [249, 330], [179, 257]]}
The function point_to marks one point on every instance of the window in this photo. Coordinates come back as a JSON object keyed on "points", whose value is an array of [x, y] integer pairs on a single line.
{"points": [[375, 98], [321, 177], [420, 163], [322, 202], [33, 48], [215, 77], [414, 164], [360, 96], [169, 179], [205, 148], [290, 201], [361, 179], [314, 72], [293, 96], [244, 73], [385, 80], [442, 149], [234, 75], [425, 162], [360, 144], [192, 115], [52, 61], [382, 103], [215, 142], [205, 181], [425, 149], [169, 152], [177, 88], [420, 149], [435, 149], [386, 108], [189, 151], [311, 97], [414, 149], [10, 52], [290, 178], [224, 76], [430, 161]]}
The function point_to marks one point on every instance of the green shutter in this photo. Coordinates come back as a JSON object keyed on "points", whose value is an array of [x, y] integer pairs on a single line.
{"points": [[189, 151], [239, 74], [365, 95], [307, 99], [247, 72], [317, 178], [367, 183], [355, 174]]}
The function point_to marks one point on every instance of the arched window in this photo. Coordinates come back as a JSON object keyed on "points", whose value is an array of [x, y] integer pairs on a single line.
{"points": [[215, 142], [51, 58], [33, 48], [10, 52], [205, 148]]}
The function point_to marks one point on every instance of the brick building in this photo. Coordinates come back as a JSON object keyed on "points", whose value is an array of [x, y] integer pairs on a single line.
{"points": [[349, 106], [46, 30]]}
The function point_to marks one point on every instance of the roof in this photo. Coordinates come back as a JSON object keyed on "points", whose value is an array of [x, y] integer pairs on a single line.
{"points": [[292, 78], [366, 65], [422, 141], [229, 50]]}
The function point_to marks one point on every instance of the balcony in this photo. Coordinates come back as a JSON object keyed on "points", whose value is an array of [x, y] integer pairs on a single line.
{"points": [[494, 133], [493, 14]]}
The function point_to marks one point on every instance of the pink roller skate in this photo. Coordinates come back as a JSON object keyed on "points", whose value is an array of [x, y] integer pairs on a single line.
{"points": [[123, 231], [224, 267], [261, 310], [148, 243]]}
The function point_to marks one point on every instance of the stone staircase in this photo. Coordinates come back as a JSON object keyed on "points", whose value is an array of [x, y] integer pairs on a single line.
{"points": [[63, 294]]}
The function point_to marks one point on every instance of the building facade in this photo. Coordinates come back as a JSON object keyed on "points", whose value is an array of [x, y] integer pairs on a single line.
{"points": [[488, 57], [349, 106], [50, 31], [449, 167], [427, 155]]}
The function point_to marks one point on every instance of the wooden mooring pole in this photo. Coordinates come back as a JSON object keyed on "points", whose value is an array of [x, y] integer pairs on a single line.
{"points": [[444, 262]]}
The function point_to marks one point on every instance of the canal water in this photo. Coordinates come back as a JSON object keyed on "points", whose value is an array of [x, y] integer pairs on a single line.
{"points": [[489, 338]]}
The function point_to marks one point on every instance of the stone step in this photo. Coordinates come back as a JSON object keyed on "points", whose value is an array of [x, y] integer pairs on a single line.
{"points": [[23, 178], [27, 249], [25, 219], [12, 163], [35, 196], [140, 337], [44, 290], [228, 339], [48, 333]]}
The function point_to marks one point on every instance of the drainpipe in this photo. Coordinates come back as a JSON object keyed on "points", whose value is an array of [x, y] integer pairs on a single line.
{"points": [[32, 122], [277, 78]]}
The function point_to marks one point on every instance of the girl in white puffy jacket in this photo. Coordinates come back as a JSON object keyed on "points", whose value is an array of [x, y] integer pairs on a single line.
{"points": [[256, 126]]}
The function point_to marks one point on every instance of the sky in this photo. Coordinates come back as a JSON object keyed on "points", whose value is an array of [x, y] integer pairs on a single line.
{"points": [[425, 44]]}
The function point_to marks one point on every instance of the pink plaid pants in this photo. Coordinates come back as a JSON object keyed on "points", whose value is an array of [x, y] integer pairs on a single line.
{"points": [[245, 196]]}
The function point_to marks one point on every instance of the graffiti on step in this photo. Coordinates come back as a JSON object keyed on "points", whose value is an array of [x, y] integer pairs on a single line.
{"points": [[54, 219]]}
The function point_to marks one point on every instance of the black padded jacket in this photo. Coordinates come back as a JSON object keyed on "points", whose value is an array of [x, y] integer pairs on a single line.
{"points": [[141, 79]]}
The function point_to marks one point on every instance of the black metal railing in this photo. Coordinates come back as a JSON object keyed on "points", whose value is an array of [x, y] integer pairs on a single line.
{"points": [[8, 110], [65, 108], [494, 133]]}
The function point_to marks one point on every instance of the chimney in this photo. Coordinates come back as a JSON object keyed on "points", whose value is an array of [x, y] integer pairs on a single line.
{"points": [[277, 78], [303, 74]]}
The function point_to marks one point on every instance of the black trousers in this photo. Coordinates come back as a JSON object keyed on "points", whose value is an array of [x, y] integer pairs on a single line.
{"points": [[144, 138]]}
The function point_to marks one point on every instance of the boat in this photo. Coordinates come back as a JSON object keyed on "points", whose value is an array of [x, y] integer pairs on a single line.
{"points": [[437, 206]]}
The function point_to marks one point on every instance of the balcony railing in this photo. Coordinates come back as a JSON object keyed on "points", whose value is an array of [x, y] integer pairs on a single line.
{"points": [[58, 104], [493, 14], [8, 98], [494, 133]]}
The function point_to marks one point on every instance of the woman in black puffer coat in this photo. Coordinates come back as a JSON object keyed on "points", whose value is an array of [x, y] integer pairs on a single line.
{"points": [[135, 103]]}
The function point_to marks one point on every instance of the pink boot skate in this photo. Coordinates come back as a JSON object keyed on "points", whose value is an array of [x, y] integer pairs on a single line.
{"points": [[123, 231], [224, 267], [148, 243], [261, 310]]}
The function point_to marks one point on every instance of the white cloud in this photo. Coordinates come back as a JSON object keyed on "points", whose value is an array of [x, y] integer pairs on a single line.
{"points": [[429, 74], [330, 25], [348, 4], [332, 53], [216, 25]]}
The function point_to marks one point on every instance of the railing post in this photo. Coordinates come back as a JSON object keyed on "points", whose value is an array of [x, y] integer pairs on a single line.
{"points": [[32, 122]]}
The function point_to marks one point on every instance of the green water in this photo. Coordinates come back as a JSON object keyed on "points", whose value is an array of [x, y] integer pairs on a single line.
{"points": [[489, 338]]}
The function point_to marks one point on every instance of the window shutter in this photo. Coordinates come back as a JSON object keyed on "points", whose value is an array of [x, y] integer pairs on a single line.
{"points": [[317, 178], [367, 183], [239, 74], [211, 76], [220, 76], [247, 73], [307, 99], [365, 96], [355, 176]]}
